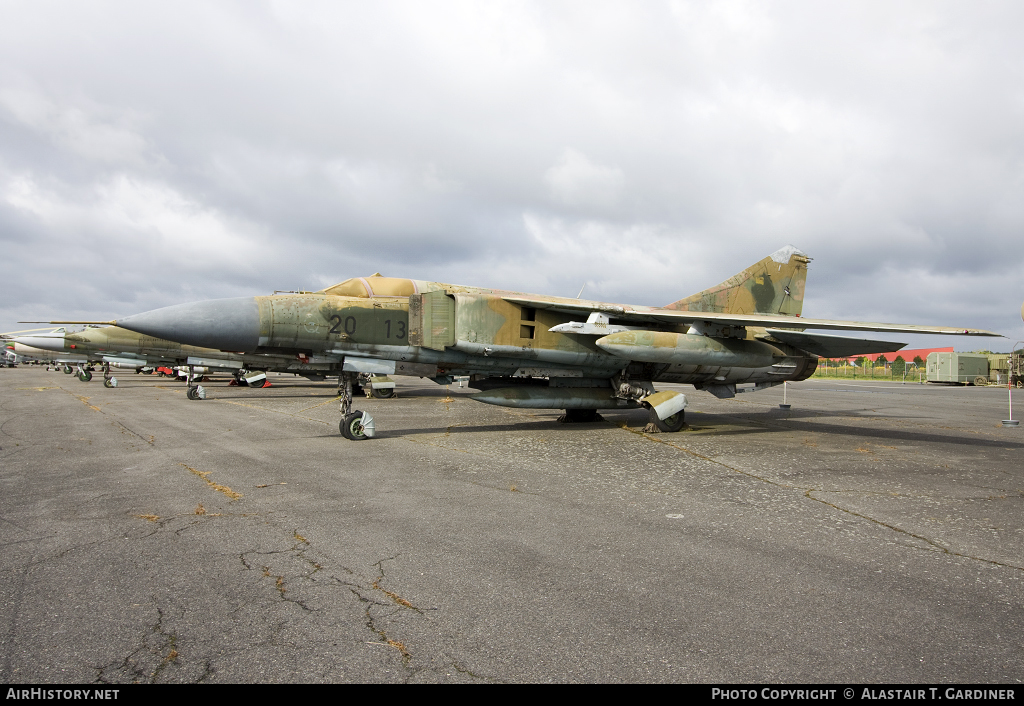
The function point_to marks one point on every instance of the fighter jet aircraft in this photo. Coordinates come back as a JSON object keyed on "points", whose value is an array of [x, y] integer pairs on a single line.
{"points": [[535, 351], [22, 348]]}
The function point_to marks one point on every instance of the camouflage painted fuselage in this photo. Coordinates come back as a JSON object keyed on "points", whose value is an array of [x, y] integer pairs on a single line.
{"points": [[436, 329]]}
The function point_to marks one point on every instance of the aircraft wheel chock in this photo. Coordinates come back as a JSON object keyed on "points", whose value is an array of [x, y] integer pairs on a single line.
{"points": [[670, 424], [352, 427]]}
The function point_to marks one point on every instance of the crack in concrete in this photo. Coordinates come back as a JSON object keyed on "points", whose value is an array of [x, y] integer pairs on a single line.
{"points": [[393, 596], [83, 400], [279, 579], [135, 433], [216, 486], [131, 666], [372, 626], [465, 670]]}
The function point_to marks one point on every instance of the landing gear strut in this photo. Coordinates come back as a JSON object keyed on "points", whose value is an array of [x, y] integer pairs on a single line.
{"points": [[355, 425], [108, 381], [194, 392]]}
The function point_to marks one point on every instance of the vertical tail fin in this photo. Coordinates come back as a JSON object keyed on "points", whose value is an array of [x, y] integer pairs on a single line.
{"points": [[775, 285]]}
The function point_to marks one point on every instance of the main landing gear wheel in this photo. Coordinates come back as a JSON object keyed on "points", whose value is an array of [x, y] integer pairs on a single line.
{"points": [[670, 424], [352, 426], [196, 393], [580, 416], [110, 382], [383, 393], [85, 376], [67, 370]]}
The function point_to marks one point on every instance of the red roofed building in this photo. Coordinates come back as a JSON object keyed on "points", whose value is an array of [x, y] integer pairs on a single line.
{"points": [[908, 355]]}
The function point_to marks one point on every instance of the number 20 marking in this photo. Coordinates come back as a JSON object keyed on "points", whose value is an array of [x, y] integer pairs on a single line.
{"points": [[350, 324]]}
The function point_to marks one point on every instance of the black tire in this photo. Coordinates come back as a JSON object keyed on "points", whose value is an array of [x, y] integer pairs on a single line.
{"points": [[107, 383], [351, 428], [670, 424], [85, 376], [67, 370], [383, 393], [191, 393]]}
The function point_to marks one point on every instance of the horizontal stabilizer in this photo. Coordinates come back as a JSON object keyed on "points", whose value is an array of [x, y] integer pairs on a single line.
{"points": [[829, 346]]}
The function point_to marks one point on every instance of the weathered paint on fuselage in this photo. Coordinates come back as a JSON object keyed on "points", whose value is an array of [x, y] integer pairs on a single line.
{"points": [[483, 333], [775, 285]]}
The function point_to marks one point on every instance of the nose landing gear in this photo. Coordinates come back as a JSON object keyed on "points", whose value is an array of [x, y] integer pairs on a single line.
{"points": [[355, 425], [108, 381], [194, 392]]}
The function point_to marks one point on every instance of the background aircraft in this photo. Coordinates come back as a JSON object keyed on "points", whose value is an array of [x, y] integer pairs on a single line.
{"points": [[20, 347], [112, 345]]}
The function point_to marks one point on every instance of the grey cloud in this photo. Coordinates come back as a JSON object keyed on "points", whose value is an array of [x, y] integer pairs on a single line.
{"points": [[198, 150]]}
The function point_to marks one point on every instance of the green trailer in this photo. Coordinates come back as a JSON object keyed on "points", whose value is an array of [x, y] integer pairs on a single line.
{"points": [[961, 368]]}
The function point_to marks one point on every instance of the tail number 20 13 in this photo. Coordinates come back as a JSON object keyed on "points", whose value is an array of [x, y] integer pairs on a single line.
{"points": [[350, 326]]}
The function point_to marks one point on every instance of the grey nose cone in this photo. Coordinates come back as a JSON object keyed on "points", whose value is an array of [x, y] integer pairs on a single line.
{"points": [[225, 324], [53, 342]]}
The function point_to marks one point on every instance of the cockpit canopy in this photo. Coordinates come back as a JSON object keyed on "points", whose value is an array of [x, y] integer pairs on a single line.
{"points": [[374, 286]]}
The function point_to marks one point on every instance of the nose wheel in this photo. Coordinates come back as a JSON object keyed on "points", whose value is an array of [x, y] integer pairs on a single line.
{"points": [[355, 425], [194, 392]]}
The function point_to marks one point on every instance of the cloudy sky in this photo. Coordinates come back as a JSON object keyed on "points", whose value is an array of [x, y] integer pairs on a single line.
{"points": [[153, 153]]}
